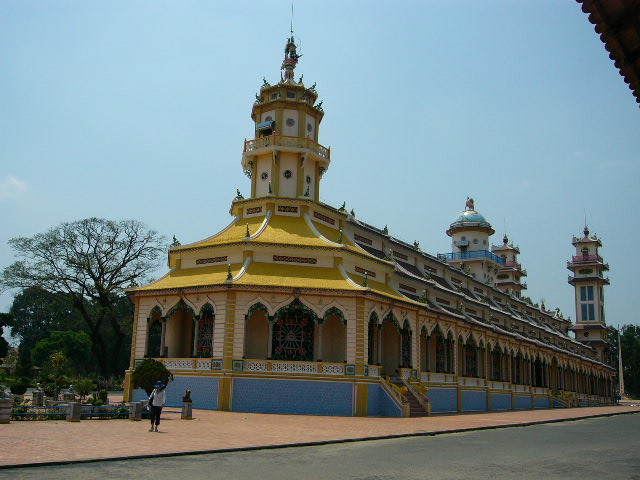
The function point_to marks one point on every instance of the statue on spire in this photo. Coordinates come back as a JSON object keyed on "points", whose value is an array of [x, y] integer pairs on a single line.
{"points": [[290, 59], [469, 205]]}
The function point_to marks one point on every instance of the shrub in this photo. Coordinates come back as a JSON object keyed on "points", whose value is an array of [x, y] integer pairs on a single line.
{"points": [[148, 372], [83, 387], [19, 387]]}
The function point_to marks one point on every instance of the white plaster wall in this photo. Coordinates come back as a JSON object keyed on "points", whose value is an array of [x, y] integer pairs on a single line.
{"points": [[263, 165], [310, 133], [293, 129], [309, 170], [270, 113], [288, 161]]}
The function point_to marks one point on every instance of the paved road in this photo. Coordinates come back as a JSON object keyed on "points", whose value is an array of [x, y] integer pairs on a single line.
{"points": [[599, 448]]}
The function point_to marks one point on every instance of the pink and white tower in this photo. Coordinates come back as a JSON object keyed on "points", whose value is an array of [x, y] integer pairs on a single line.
{"points": [[588, 280]]}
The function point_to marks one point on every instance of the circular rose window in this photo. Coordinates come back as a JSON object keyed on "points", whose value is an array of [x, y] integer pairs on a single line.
{"points": [[264, 175], [290, 122], [287, 174]]}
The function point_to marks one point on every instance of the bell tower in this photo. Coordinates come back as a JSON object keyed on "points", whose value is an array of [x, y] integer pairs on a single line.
{"points": [[284, 159], [588, 280]]}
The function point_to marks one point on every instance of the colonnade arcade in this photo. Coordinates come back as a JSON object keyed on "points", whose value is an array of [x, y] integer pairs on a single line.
{"points": [[296, 332]]}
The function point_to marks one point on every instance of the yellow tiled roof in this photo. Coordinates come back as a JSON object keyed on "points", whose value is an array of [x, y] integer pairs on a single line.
{"points": [[280, 275], [192, 277], [290, 231], [378, 287], [235, 233]]}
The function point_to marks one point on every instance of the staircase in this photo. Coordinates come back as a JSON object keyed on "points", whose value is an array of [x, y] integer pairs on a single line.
{"points": [[415, 407]]}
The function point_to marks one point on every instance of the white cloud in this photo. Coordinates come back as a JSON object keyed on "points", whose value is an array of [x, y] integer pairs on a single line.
{"points": [[12, 187]]}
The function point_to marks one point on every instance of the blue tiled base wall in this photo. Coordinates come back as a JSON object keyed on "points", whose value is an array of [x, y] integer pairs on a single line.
{"points": [[259, 395], [522, 402], [541, 402], [443, 400], [500, 401], [204, 392], [379, 404], [474, 401]]}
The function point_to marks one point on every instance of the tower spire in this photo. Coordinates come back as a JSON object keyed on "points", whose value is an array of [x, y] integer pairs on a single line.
{"points": [[290, 55]]}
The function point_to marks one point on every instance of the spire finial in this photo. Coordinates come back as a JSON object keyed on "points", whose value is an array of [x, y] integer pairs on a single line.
{"points": [[290, 55], [586, 229]]}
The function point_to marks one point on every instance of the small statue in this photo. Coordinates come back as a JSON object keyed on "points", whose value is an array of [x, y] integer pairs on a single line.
{"points": [[342, 208], [353, 214], [385, 230], [258, 98], [313, 87], [306, 193], [300, 79], [239, 195], [319, 106], [416, 245], [265, 83], [187, 397], [175, 242], [469, 205]]}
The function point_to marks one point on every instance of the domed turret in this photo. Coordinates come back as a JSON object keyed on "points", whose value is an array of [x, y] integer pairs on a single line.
{"points": [[470, 234]]}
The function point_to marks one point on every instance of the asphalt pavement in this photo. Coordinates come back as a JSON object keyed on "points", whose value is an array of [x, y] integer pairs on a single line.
{"points": [[595, 448]]}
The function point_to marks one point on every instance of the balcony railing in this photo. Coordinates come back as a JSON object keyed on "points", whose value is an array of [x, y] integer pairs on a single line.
{"points": [[474, 254], [286, 141], [512, 264], [586, 258]]}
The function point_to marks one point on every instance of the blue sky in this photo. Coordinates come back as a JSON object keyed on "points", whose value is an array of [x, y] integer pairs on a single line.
{"points": [[139, 109]]}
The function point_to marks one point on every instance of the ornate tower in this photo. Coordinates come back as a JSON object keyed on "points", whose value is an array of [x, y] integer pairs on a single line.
{"points": [[508, 276], [588, 280], [285, 159], [470, 234]]}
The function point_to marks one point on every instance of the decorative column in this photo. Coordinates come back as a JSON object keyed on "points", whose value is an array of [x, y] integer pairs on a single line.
{"points": [[196, 333], [320, 354], [362, 343], [162, 335], [270, 339]]}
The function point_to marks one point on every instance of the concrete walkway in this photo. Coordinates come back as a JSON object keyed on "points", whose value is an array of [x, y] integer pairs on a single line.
{"points": [[28, 443]]}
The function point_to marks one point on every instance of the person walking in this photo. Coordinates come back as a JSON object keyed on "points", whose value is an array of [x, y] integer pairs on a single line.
{"points": [[156, 402]]}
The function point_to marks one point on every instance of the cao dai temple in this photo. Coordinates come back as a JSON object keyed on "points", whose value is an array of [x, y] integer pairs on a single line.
{"points": [[299, 307]]}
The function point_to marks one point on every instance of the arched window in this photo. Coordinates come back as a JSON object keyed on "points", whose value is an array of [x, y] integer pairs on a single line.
{"points": [[292, 337], [204, 342]]}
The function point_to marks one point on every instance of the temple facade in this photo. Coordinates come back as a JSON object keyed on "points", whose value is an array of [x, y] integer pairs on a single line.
{"points": [[299, 307]]}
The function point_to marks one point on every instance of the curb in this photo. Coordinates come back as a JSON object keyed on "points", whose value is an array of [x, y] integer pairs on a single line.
{"points": [[311, 444]]}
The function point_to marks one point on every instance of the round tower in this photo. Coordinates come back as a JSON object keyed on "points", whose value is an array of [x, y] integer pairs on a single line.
{"points": [[284, 159], [470, 234]]}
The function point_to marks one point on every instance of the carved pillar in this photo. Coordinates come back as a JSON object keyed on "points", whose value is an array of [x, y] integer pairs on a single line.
{"points": [[196, 332], [320, 354], [162, 335], [270, 339]]}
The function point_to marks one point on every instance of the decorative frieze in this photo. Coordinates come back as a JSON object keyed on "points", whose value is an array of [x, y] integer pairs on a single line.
{"points": [[361, 239], [252, 210], [324, 218], [407, 288], [287, 209], [399, 255], [364, 271], [286, 258], [202, 261]]}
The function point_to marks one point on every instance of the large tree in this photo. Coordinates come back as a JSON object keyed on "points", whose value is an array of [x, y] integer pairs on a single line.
{"points": [[91, 262]]}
